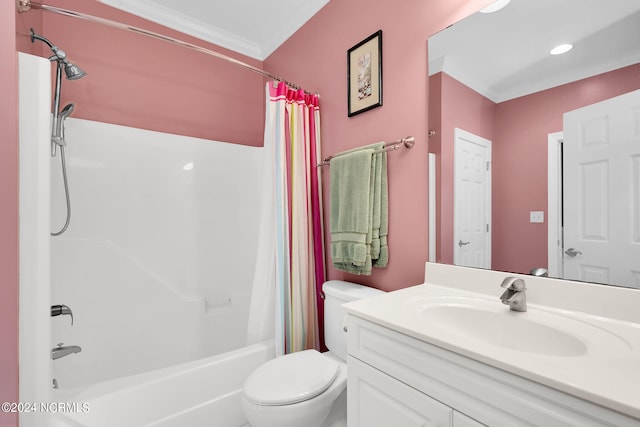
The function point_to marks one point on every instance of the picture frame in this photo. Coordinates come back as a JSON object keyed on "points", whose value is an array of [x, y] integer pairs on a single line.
{"points": [[364, 75]]}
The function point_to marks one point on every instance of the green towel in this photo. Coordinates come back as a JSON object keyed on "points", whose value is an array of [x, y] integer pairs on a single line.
{"points": [[376, 200], [359, 210], [350, 206], [383, 255]]}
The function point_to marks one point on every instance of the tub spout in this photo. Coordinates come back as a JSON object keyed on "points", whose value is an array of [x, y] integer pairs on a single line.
{"points": [[62, 351]]}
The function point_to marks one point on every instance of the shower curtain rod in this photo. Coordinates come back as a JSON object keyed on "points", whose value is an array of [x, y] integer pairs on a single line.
{"points": [[406, 142], [26, 5]]}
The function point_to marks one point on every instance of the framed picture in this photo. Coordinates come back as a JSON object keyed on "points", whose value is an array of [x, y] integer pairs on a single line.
{"points": [[364, 75]]}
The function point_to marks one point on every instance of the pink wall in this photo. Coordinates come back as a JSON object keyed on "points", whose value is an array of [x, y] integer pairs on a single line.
{"points": [[315, 57], [466, 109], [8, 213], [134, 80], [520, 162]]}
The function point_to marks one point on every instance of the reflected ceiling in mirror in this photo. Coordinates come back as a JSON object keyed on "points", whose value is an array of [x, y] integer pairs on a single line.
{"points": [[504, 55], [492, 75]]}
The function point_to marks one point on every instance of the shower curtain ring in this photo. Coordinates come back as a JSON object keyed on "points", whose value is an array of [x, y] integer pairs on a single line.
{"points": [[23, 5]]}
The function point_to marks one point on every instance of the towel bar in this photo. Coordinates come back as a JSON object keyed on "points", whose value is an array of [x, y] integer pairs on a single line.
{"points": [[406, 142]]}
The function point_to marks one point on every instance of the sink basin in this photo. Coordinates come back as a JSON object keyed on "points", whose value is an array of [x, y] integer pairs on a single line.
{"points": [[515, 332], [490, 323]]}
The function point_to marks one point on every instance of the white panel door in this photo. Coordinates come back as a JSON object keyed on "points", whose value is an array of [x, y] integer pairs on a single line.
{"points": [[472, 200], [601, 186], [378, 400]]}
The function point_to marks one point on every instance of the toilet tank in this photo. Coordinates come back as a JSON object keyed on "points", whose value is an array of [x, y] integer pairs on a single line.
{"points": [[338, 292]]}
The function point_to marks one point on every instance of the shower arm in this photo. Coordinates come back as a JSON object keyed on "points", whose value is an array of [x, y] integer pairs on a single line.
{"points": [[34, 37]]}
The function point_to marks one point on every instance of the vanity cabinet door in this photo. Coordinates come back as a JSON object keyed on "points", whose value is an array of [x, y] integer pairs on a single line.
{"points": [[378, 400], [461, 420]]}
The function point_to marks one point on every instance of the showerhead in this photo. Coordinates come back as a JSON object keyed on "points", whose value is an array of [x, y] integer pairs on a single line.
{"points": [[58, 136], [72, 71], [66, 111]]}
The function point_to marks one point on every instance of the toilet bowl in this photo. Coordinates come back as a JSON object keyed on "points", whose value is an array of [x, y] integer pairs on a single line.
{"points": [[296, 390], [301, 389]]}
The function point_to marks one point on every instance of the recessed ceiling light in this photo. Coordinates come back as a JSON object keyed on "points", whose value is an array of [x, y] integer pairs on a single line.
{"points": [[495, 6], [560, 49]]}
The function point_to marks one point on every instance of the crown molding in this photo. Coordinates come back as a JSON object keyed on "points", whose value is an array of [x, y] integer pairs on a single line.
{"points": [[177, 21]]}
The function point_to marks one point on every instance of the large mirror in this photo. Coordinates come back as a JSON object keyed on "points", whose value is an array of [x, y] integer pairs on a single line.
{"points": [[538, 155]]}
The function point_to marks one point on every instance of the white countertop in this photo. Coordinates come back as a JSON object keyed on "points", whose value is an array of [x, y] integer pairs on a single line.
{"points": [[607, 373]]}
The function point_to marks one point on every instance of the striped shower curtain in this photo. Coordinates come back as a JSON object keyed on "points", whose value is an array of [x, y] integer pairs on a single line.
{"points": [[290, 269]]}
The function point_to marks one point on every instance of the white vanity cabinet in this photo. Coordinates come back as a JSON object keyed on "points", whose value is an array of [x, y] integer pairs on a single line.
{"points": [[401, 381], [380, 400]]}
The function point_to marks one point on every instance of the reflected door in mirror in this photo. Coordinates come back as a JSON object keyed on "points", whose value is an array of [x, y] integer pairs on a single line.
{"points": [[602, 192], [472, 200]]}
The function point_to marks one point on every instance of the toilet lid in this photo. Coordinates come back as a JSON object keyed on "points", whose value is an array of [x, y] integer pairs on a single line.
{"points": [[292, 378]]}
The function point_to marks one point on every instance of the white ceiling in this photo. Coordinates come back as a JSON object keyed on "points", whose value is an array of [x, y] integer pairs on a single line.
{"points": [[504, 55], [254, 28]]}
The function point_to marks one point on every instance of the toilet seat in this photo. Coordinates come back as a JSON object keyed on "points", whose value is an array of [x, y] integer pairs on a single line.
{"points": [[292, 378]]}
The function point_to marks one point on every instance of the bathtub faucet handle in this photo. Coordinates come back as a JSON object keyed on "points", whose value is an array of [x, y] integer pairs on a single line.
{"points": [[61, 309]]}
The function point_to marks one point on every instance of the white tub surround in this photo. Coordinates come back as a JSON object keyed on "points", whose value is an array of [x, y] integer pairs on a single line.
{"points": [[34, 327], [572, 359], [159, 253]]}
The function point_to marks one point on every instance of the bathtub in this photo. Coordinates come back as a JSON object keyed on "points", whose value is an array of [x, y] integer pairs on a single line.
{"points": [[203, 393]]}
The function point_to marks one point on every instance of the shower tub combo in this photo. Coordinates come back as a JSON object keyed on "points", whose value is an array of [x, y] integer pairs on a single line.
{"points": [[156, 268]]}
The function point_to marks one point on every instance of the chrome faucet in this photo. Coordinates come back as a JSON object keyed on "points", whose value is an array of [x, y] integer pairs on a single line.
{"points": [[60, 351], [61, 310], [515, 294]]}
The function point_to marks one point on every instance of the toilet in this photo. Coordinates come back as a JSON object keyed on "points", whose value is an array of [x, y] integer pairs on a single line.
{"points": [[302, 388]]}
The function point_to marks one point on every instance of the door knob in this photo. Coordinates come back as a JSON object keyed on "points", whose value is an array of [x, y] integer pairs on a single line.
{"points": [[572, 252], [461, 243]]}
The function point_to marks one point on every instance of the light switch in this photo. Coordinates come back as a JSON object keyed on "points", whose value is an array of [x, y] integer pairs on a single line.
{"points": [[536, 216]]}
